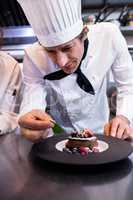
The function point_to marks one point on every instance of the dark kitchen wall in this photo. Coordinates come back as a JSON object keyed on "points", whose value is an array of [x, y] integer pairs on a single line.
{"points": [[120, 2], [11, 14]]}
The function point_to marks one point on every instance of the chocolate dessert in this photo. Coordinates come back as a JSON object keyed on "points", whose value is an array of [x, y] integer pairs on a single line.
{"points": [[82, 142]]}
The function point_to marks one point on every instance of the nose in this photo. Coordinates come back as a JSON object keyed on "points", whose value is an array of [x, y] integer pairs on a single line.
{"points": [[61, 59]]}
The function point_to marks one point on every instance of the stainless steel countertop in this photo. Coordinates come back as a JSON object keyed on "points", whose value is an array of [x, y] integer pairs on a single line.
{"points": [[23, 179]]}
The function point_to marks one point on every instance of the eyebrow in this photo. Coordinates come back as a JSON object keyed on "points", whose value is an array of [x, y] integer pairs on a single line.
{"points": [[62, 47], [67, 46]]}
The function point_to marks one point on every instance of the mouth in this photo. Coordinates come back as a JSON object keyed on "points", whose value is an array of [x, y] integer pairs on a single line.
{"points": [[70, 68]]}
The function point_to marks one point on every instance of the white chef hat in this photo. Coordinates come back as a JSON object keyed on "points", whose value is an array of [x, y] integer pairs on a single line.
{"points": [[54, 21]]}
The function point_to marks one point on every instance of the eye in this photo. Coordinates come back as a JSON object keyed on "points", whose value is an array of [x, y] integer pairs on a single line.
{"points": [[50, 51], [66, 49]]}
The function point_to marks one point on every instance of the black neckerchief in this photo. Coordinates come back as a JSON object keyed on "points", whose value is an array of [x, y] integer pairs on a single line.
{"points": [[82, 81]]}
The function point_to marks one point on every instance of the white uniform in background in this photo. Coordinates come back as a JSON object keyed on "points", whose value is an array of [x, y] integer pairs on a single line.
{"points": [[10, 82], [10, 87], [68, 104]]}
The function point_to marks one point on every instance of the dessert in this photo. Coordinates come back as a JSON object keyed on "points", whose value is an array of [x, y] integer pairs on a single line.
{"points": [[82, 142]]}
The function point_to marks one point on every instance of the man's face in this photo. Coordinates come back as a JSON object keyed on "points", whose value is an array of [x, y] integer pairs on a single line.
{"points": [[67, 56]]}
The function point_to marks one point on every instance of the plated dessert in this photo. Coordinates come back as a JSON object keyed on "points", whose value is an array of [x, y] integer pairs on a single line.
{"points": [[83, 142]]}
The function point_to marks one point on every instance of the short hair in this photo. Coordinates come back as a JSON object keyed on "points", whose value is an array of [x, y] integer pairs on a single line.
{"points": [[83, 35]]}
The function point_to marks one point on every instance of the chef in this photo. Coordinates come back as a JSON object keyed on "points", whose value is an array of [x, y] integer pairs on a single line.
{"points": [[10, 87], [65, 73]]}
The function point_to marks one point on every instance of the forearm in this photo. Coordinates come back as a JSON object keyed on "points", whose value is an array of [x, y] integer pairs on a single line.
{"points": [[122, 69], [125, 107], [33, 98]]}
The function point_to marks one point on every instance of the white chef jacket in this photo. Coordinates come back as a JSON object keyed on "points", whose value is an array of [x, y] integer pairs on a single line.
{"points": [[67, 103], [10, 83]]}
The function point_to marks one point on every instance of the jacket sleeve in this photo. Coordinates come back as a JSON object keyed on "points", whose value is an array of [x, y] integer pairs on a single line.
{"points": [[11, 98], [34, 93], [122, 70]]}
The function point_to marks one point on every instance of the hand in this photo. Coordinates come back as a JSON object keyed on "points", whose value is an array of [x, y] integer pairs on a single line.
{"points": [[34, 135], [35, 124], [36, 120], [118, 127]]}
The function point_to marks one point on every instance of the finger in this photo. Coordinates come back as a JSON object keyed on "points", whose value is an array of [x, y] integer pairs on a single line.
{"points": [[120, 131], [40, 115], [107, 129], [131, 133], [128, 134], [125, 135], [114, 127]]}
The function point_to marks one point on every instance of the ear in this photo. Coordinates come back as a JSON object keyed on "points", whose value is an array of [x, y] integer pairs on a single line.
{"points": [[85, 32]]}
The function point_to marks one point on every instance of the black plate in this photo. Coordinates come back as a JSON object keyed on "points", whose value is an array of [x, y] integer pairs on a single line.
{"points": [[118, 150]]}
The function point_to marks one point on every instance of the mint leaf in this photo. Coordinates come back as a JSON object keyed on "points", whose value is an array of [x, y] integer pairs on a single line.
{"points": [[57, 129]]}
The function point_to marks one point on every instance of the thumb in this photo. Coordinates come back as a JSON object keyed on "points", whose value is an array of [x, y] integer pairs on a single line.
{"points": [[40, 115]]}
